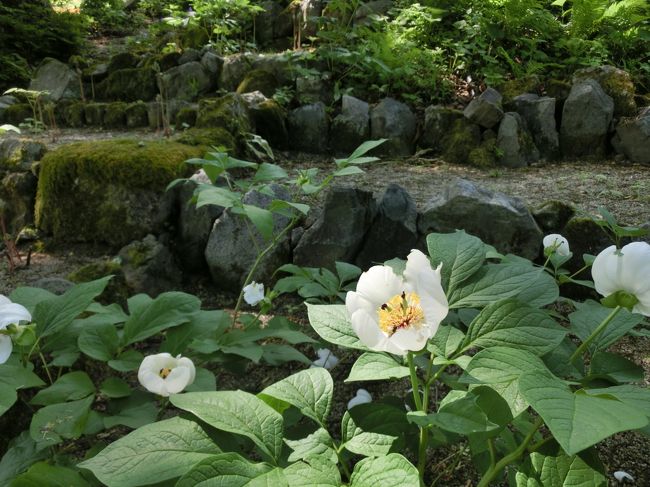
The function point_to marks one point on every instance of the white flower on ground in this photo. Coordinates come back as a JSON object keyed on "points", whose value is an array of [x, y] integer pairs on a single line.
{"points": [[362, 397], [164, 375], [397, 314], [622, 476], [10, 314], [326, 359], [254, 293], [558, 243], [626, 270]]}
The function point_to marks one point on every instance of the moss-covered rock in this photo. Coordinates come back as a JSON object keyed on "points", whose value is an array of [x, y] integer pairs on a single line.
{"points": [[129, 85], [616, 83], [194, 37], [17, 154], [229, 112], [123, 60], [199, 137], [515, 87], [462, 139], [94, 114], [74, 115], [107, 191], [186, 117], [115, 115], [136, 115], [258, 80], [270, 121], [116, 291], [168, 60], [485, 155], [17, 113], [553, 215]]}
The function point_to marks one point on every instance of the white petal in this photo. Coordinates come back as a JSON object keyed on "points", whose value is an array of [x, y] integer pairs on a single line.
{"points": [[254, 293], [4, 299], [354, 301], [185, 362], [411, 339], [368, 331], [416, 263], [13, 313], [557, 241], [378, 284], [604, 271], [620, 475], [178, 379], [362, 397], [5, 348], [635, 273], [152, 382]]}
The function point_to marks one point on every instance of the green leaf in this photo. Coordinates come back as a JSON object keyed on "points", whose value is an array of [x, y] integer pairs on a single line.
{"points": [[280, 353], [333, 324], [134, 411], [225, 469], [460, 254], [577, 420], [512, 323], [615, 367], [494, 282], [19, 377], [206, 194], [560, 471], [500, 369], [29, 297], [347, 272], [115, 388], [319, 444], [203, 381], [42, 473], [370, 444], [376, 417], [237, 412], [68, 387], [590, 314], [149, 316], [8, 397], [99, 342], [269, 172], [377, 366], [156, 452], [309, 390], [393, 470], [314, 472], [446, 341], [52, 424], [57, 313], [127, 361], [347, 171], [367, 146], [22, 452], [634, 396], [200, 324], [262, 219]]}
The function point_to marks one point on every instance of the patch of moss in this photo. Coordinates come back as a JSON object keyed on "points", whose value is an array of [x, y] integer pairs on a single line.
{"points": [[616, 83], [485, 155], [116, 291], [558, 89], [259, 80], [186, 117], [74, 115], [107, 191], [207, 138], [270, 123], [94, 113], [194, 37], [129, 85], [515, 87], [115, 115], [229, 112], [462, 139], [122, 60], [136, 115], [17, 113], [553, 215], [168, 60]]}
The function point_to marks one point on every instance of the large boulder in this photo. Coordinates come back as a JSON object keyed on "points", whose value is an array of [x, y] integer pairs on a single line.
{"points": [[352, 126], [273, 23], [463, 138], [486, 109], [497, 219], [131, 84], [229, 111], [58, 79], [18, 154], [514, 143], [338, 233], [212, 63], [616, 83], [393, 120], [269, 118], [634, 137], [309, 128], [17, 198], [232, 246], [185, 82], [122, 60], [586, 117], [438, 122], [258, 80], [539, 115], [234, 70], [393, 232], [312, 89]]}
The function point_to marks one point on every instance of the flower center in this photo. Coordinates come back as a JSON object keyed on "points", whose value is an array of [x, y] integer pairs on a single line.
{"points": [[400, 311], [164, 372]]}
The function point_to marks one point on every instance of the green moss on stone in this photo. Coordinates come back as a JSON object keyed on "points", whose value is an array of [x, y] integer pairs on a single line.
{"points": [[484, 156], [94, 113], [259, 80], [17, 113], [74, 115], [186, 117], [462, 139], [229, 112], [136, 115], [217, 137], [117, 291], [270, 123], [515, 87], [129, 85], [107, 191], [115, 115]]}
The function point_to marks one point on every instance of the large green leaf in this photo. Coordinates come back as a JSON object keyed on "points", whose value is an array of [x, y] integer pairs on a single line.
{"points": [[332, 323], [261, 218], [134, 411], [149, 317], [29, 297], [392, 470], [224, 470], [615, 367], [69, 387], [57, 313], [237, 412], [19, 377], [577, 420], [269, 172], [99, 342], [127, 361], [319, 443], [370, 444], [314, 472], [42, 473], [201, 324], [446, 341], [309, 390], [512, 323], [461, 256], [52, 424], [8, 397], [156, 452], [494, 282], [634, 396], [560, 471], [22, 452], [377, 366], [500, 369]]}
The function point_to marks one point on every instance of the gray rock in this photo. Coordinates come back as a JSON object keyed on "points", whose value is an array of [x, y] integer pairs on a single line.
{"points": [[123, 60], [189, 56], [310, 10], [17, 198], [438, 122], [55, 285], [352, 126], [616, 83], [149, 267], [58, 79], [552, 216], [212, 64], [586, 118], [274, 23], [186, 82], [393, 120], [514, 143], [338, 233], [539, 114], [5, 102], [233, 71], [497, 219], [312, 89], [393, 232], [309, 128], [281, 65], [232, 250], [18, 154], [634, 137], [485, 110], [137, 115], [269, 119]]}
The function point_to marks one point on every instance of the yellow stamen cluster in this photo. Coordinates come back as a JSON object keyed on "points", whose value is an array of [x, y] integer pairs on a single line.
{"points": [[164, 372], [401, 311]]}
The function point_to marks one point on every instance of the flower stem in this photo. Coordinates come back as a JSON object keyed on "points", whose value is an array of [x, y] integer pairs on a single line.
{"points": [[47, 370], [594, 334], [415, 382], [421, 406]]}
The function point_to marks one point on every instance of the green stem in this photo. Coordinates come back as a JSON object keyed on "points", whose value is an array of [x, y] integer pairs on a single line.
{"points": [[594, 334], [493, 471], [164, 402], [47, 370], [492, 451], [421, 406], [539, 444], [415, 383], [344, 465], [579, 271]]}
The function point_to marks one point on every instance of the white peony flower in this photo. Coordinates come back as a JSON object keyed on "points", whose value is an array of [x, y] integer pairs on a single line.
{"points": [[164, 375], [622, 476], [362, 397], [626, 270], [558, 243], [10, 313], [254, 293], [397, 314], [326, 359]]}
